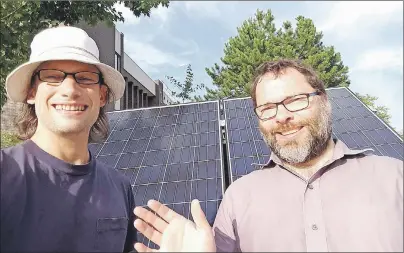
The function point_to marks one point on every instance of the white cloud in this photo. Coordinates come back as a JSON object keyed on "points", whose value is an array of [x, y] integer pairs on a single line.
{"points": [[149, 58], [350, 18], [203, 9], [184, 46], [127, 14], [159, 15], [356, 29], [162, 13], [386, 87], [380, 59]]}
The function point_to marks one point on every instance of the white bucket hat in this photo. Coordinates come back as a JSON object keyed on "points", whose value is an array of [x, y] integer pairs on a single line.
{"points": [[61, 43]]}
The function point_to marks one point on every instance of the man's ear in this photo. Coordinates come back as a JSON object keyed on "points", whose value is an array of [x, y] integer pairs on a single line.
{"points": [[31, 95], [103, 95]]}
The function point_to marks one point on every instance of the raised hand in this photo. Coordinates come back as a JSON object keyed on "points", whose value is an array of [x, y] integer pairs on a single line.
{"points": [[173, 232]]}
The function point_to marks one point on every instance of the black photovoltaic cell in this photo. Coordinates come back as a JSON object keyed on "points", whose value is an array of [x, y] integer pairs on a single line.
{"points": [[172, 154], [245, 144], [353, 123]]}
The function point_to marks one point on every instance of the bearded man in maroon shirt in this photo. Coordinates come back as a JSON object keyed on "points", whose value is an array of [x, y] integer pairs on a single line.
{"points": [[314, 193]]}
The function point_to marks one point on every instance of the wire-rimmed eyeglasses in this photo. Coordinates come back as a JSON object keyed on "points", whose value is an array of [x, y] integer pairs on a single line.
{"points": [[293, 104]]}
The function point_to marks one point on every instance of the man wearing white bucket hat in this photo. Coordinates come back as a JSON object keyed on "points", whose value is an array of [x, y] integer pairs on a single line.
{"points": [[54, 195]]}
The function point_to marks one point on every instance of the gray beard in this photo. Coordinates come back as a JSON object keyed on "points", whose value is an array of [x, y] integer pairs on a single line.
{"points": [[314, 144]]}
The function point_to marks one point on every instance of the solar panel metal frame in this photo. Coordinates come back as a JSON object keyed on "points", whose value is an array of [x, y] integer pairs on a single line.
{"points": [[373, 115]]}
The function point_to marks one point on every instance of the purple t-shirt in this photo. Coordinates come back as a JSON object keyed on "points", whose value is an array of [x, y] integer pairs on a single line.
{"points": [[48, 205]]}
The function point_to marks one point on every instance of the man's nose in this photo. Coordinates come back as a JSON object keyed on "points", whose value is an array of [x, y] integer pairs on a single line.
{"points": [[283, 115], [70, 88]]}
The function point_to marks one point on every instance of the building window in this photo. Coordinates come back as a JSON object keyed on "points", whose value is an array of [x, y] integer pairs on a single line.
{"points": [[117, 62]]}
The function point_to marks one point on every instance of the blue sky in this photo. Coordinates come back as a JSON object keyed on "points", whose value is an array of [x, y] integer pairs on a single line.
{"points": [[369, 36]]}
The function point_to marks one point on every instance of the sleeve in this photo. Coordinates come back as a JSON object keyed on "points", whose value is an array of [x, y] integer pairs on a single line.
{"points": [[224, 227], [131, 236]]}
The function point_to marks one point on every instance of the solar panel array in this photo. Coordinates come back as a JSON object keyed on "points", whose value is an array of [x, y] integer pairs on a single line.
{"points": [[175, 153], [353, 123], [171, 154]]}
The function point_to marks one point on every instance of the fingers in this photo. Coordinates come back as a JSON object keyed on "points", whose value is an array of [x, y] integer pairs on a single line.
{"points": [[164, 212], [198, 215], [151, 218], [148, 231], [140, 247]]}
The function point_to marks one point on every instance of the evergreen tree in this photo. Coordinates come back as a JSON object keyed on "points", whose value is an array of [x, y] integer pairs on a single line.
{"points": [[258, 41]]}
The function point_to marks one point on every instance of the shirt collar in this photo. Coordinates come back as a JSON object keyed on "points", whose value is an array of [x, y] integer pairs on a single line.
{"points": [[57, 163], [340, 150]]}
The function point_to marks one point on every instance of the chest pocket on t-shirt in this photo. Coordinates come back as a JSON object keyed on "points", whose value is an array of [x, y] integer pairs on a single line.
{"points": [[111, 234]]}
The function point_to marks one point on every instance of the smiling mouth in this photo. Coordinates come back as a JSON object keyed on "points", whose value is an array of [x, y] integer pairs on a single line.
{"points": [[70, 108], [290, 132]]}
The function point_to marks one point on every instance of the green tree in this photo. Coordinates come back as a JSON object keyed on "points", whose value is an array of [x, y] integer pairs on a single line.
{"points": [[21, 20], [381, 111], [258, 41], [186, 88]]}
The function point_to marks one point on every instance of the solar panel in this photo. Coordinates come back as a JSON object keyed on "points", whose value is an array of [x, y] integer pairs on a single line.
{"points": [[353, 123], [172, 154], [359, 128], [245, 144]]}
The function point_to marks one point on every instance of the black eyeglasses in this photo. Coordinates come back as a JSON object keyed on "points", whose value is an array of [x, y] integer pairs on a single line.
{"points": [[54, 76], [292, 104]]}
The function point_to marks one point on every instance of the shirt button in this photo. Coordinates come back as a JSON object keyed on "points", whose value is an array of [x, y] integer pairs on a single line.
{"points": [[314, 227], [311, 187]]}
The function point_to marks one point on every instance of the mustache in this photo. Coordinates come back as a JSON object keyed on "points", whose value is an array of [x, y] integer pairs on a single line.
{"points": [[287, 127]]}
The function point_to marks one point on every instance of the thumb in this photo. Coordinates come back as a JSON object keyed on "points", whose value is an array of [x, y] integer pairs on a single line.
{"points": [[198, 215]]}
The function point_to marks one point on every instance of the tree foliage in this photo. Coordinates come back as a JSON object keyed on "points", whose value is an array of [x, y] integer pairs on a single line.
{"points": [[258, 40], [381, 111], [186, 88], [21, 20], [8, 139]]}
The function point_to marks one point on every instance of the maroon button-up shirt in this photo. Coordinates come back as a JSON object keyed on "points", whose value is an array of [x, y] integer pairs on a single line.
{"points": [[353, 203]]}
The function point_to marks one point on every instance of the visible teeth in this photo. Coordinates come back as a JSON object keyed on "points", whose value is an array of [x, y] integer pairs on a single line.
{"points": [[290, 132], [70, 107]]}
